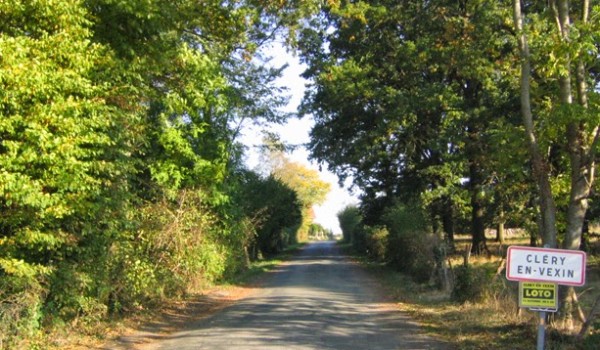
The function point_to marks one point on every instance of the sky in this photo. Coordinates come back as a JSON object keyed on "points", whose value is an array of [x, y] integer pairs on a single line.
{"points": [[296, 131]]}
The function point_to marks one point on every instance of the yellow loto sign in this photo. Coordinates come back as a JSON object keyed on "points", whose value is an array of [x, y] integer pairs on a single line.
{"points": [[538, 296]]}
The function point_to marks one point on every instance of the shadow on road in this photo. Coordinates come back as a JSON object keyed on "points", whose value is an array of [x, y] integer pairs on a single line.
{"points": [[302, 323], [320, 299]]}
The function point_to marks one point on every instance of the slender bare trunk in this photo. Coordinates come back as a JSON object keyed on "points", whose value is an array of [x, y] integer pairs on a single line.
{"points": [[500, 232], [593, 314], [580, 146], [448, 221], [580, 142], [539, 164], [478, 241]]}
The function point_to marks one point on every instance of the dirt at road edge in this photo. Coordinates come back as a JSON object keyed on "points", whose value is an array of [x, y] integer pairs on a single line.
{"points": [[176, 316]]}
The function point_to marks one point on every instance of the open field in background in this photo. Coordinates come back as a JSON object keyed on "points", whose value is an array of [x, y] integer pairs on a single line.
{"points": [[495, 322]]}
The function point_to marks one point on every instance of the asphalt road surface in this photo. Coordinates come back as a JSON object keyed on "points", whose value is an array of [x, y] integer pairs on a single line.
{"points": [[317, 300]]}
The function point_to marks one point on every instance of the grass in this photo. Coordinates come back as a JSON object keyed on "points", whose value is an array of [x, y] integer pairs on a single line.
{"points": [[495, 322], [491, 324], [258, 268]]}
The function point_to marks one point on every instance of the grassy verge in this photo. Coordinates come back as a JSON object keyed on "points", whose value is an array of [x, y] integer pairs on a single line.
{"points": [[260, 267], [493, 322], [483, 325]]}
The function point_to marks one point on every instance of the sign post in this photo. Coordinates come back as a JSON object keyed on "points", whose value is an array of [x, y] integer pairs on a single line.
{"points": [[539, 271], [541, 335]]}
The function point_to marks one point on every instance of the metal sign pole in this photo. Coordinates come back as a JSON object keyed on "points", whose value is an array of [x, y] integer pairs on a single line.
{"points": [[541, 330]]}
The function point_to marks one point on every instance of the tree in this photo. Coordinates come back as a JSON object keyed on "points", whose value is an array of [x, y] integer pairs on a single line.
{"points": [[275, 211], [309, 188], [318, 232], [351, 223], [582, 128], [571, 55], [349, 219], [572, 49], [63, 158], [118, 120], [406, 98], [371, 100]]}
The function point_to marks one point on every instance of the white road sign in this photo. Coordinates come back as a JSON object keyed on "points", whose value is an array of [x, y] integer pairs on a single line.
{"points": [[559, 266]]}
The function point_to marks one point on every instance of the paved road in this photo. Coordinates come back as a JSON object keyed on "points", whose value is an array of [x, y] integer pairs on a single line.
{"points": [[318, 300]]}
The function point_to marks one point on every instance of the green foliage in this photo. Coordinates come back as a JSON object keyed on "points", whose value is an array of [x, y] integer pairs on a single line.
{"points": [[470, 284], [117, 152], [359, 238], [64, 169], [21, 304], [275, 211], [350, 221], [305, 182], [411, 244], [407, 108], [317, 231], [376, 243], [178, 248]]}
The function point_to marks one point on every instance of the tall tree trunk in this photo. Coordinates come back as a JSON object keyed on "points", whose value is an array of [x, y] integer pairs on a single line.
{"points": [[539, 164], [580, 143], [448, 221], [479, 244], [500, 232], [580, 146], [578, 204]]}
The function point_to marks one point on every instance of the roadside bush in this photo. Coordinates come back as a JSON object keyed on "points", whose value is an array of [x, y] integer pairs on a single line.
{"points": [[239, 235], [350, 221], [20, 310], [376, 242], [470, 284], [359, 239], [274, 210], [75, 294], [410, 247], [178, 247]]}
